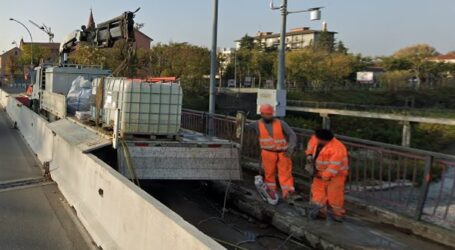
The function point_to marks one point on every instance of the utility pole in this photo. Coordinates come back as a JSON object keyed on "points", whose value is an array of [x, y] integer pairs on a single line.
{"points": [[282, 56], [31, 39], [213, 66], [315, 15]]}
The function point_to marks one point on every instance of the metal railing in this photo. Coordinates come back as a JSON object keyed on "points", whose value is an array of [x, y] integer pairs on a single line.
{"points": [[413, 182], [433, 112]]}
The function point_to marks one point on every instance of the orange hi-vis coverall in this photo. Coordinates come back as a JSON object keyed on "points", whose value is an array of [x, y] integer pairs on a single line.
{"points": [[274, 159], [331, 171]]}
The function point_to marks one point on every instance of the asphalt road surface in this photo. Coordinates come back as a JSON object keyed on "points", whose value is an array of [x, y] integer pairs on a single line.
{"points": [[33, 212]]}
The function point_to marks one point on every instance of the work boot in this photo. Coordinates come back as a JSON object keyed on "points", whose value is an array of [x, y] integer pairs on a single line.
{"points": [[338, 219], [272, 198], [292, 197], [315, 213]]}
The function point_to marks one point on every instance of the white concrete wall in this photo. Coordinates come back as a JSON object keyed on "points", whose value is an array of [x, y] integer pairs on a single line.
{"points": [[124, 216], [131, 219], [3, 98], [32, 127]]}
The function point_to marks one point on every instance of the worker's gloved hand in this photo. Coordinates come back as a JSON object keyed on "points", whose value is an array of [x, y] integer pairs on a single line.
{"points": [[309, 169], [289, 153], [325, 176], [309, 159]]}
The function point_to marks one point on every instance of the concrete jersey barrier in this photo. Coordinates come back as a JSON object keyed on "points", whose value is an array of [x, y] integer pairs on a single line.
{"points": [[115, 212]]}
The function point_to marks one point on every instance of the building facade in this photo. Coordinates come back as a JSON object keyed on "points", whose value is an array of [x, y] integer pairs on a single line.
{"points": [[8, 59], [297, 38], [142, 40], [447, 58], [44, 52], [226, 57]]}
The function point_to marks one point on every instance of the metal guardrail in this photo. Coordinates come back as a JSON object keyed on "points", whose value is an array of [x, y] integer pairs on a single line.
{"points": [[402, 110], [413, 182]]}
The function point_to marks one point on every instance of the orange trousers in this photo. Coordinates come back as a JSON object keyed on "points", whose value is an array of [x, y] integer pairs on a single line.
{"points": [[274, 162], [330, 193]]}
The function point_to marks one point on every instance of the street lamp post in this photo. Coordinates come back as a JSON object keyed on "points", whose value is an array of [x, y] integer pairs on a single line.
{"points": [[31, 39], [213, 66], [282, 55], [315, 15]]}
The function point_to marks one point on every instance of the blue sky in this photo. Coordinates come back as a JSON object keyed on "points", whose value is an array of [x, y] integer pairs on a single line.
{"points": [[370, 27]]}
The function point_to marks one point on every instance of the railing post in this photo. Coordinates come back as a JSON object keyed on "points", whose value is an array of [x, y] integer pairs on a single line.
{"points": [[204, 123], [425, 187], [240, 120], [325, 121], [406, 136]]}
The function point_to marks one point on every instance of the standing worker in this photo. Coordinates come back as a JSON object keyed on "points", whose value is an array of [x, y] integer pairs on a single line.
{"points": [[277, 142], [327, 162]]}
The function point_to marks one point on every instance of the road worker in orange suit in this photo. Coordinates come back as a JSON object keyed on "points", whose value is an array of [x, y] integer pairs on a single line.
{"points": [[277, 142], [327, 162]]}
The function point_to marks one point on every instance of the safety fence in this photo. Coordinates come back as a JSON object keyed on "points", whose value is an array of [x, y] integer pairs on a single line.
{"points": [[413, 182]]}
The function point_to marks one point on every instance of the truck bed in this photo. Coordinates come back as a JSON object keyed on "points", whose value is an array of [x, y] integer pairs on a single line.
{"points": [[193, 156]]}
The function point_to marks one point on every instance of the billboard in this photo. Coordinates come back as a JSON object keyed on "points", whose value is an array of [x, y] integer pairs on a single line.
{"points": [[365, 77]]}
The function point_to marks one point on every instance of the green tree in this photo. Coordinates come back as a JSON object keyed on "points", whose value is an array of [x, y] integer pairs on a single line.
{"points": [[417, 52], [244, 63], [188, 62], [135, 65], [247, 42], [340, 48], [263, 64], [318, 68], [393, 63], [13, 67], [417, 56], [39, 53], [326, 41], [88, 55], [395, 80]]}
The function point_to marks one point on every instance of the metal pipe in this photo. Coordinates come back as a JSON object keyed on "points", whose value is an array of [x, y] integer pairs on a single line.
{"points": [[282, 55], [31, 39], [213, 66]]}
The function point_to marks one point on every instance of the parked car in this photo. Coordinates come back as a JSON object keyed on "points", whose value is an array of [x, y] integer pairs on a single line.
{"points": [[231, 83]]}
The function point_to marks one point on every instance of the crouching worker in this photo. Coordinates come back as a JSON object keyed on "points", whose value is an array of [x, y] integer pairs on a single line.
{"points": [[327, 162], [277, 142]]}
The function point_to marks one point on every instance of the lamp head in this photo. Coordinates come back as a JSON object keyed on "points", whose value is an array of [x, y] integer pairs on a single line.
{"points": [[315, 14]]}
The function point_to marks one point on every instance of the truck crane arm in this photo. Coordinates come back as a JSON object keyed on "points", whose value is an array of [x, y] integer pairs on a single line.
{"points": [[104, 35]]}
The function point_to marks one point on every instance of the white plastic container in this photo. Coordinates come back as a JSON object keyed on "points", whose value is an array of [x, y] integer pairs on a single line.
{"points": [[145, 108]]}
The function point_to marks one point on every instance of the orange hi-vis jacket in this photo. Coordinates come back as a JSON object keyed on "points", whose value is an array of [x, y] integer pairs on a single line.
{"points": [[276, 142], [332, 160]]}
